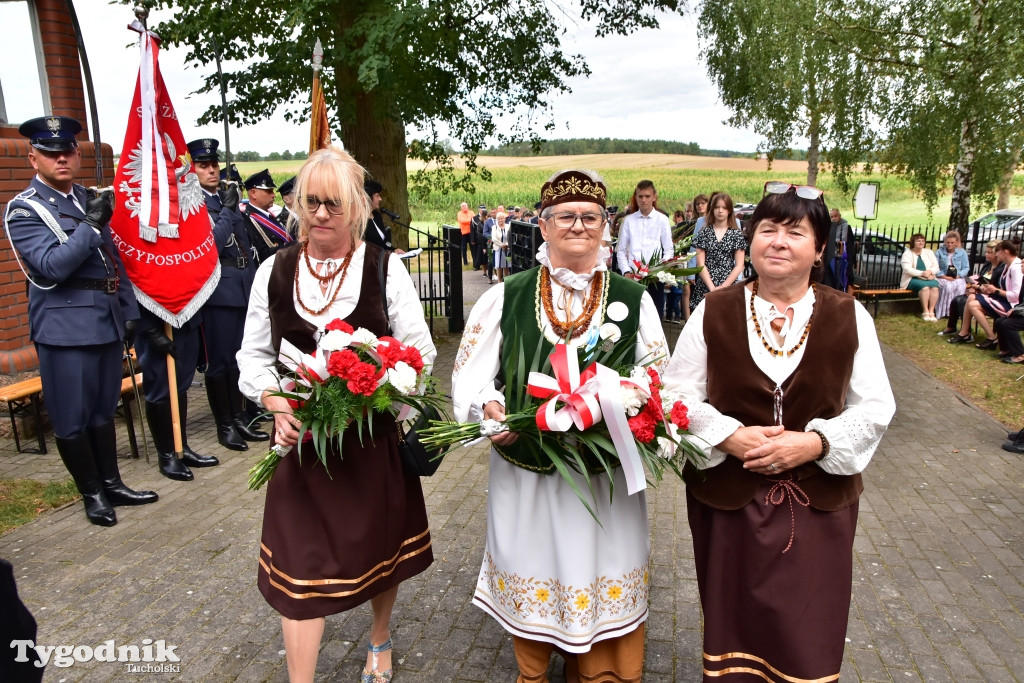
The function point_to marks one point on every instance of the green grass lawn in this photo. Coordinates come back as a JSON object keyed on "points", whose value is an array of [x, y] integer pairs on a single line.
{"points": [[22, 500]]}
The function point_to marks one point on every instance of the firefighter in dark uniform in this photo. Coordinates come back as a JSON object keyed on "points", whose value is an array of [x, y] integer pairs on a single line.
{"points": [[81, 310], [224, 311], [265, 232]]}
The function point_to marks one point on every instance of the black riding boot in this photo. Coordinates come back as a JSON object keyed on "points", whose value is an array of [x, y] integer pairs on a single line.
{"points": [[76, 452], [254, 413], [239, 417], [189, 456], [104, 451], [158, 415], [217, 394]]}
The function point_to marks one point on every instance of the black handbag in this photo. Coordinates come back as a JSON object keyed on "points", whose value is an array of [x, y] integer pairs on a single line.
{"points": [[417, 459]]}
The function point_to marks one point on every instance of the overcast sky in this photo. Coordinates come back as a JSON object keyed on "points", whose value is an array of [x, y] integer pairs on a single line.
{"points": [[648, 85]]}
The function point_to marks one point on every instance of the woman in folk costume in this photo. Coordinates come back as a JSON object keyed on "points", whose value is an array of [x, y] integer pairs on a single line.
{"points": [[552, 575], [335, 539], [788, 395]]}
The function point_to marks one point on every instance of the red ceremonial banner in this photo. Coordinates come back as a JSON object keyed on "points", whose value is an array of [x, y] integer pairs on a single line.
{"points": [[160, 225]]}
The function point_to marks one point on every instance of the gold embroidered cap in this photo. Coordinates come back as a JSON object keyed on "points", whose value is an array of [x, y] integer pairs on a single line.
{"points": [[572, 186]]}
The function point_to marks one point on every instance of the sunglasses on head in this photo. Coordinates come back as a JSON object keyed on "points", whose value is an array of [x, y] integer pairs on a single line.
{"points": [[802, 191]]}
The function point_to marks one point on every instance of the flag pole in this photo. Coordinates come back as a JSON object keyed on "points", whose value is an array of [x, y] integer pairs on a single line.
{"points": [[172, 388], [319, 130], [223, 105]]}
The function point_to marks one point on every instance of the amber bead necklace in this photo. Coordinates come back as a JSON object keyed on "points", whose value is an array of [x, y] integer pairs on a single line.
{"points": [[757, 325], [324, 280], [570, 329]]}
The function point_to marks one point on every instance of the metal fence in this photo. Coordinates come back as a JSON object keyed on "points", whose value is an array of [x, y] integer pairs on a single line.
{"points": [[437, 274], [523, 241], [879, 249]]}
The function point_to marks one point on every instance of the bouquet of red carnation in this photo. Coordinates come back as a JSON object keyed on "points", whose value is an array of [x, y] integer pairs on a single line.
{"points": [[349, 377], [608, 415]]}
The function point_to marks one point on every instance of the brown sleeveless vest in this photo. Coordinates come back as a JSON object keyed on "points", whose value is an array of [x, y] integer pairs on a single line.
{"points": [[739, 389], [285, 321]]}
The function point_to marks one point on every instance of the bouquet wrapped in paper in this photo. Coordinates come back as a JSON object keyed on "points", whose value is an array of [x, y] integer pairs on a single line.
{"points": [[351, 376], [610, 414]]}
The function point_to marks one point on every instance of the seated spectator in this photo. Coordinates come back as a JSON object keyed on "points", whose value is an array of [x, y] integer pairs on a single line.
{"points": [[919, 275], [953, 269], [1008, 331], [990, 270], [996, 299]]}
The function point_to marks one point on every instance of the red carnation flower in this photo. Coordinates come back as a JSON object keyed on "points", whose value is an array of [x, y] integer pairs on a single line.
{"points": [[390, 354], [653, 407], [642, 426], [340, 363], [339, 324], [679, 416], [413, 357], [362, 378]]}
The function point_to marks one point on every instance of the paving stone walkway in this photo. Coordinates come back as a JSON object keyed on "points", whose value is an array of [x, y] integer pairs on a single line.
{"points": [[938, 588]]}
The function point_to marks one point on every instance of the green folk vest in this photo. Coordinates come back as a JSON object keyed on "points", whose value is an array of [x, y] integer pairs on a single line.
{"points": [[739, 389], [520, 331]]}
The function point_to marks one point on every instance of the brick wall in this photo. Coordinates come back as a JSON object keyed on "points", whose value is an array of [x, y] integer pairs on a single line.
{"points": [[67, 96]]}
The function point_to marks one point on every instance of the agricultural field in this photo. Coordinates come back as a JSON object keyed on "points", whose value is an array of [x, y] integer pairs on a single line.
{"points": [[517, 181]]}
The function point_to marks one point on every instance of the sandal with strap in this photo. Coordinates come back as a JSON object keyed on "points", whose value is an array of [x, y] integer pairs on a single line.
{"points": [[375, 676]]}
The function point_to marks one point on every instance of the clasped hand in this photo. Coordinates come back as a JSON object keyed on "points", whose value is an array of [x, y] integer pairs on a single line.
{"points": [[772, 449], [495, 411]]}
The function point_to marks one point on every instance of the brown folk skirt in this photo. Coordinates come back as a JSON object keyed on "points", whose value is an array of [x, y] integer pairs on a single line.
{"points": [[771, 615], [334, 539]]}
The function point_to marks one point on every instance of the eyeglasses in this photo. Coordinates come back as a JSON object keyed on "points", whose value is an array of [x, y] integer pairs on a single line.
{"points": [[591, 221], [334, 208], [802, 191]]}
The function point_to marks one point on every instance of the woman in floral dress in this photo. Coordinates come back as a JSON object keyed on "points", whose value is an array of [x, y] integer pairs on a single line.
{"points": [[721, 251]]}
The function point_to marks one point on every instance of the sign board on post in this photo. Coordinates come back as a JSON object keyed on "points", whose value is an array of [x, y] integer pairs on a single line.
{"points": [[865, 201]]}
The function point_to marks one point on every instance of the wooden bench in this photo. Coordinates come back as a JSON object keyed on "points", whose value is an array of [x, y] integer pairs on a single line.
{"points": [[24, 399], [876, 295]]}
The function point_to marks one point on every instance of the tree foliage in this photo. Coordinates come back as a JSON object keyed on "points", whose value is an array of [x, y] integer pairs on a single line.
{"points": [[781, 78], [441, 68], [951, 84]]}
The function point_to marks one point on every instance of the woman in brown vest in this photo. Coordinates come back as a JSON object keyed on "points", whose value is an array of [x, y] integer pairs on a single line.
{"points": [[788, 395], [335, 539]]}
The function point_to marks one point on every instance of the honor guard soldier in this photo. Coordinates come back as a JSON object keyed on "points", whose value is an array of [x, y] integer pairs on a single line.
{"points": [[287, 191], [224, 311], [376, 232], [265, 232], [82, 311]]}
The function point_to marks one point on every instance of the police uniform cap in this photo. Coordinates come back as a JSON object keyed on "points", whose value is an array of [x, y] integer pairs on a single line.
{"points": [[230, 172], [52, 133], [288, 186], [204, 149], [260, 181]]}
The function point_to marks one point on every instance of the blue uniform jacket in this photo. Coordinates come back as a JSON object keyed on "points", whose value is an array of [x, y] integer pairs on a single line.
{"points": [[235, 283], [64, 315]]}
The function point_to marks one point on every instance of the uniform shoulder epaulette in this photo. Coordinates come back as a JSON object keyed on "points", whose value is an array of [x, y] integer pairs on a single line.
{"points": [[26, 194]]}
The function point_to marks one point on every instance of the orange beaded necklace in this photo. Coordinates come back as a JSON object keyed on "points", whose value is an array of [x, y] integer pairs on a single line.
{"points": [[757, 325], [324, 280], [570, 329]]}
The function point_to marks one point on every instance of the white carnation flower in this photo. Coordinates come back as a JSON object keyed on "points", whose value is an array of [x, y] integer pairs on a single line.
{"points": [[364, 336], [335, 340], [667, 278], [403, 378], [633, 400]]}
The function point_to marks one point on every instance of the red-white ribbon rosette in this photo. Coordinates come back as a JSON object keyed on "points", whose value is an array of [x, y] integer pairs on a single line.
{"points": [[582, 400]]}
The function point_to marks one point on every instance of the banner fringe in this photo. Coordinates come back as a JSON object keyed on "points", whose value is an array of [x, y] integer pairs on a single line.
{"points": [[186, 314], [147, 233], [168, 230]]}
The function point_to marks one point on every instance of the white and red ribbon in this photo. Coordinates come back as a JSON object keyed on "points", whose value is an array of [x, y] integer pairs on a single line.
{"points": [[575, 393], [585, 398]]}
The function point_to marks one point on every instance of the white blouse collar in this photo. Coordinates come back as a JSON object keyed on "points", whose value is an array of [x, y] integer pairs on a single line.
{"points": [[767, 312], [570, 278]]}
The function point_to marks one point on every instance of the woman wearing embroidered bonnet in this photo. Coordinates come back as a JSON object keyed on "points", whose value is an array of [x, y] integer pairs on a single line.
{"points": [[788, 421], [332, 541], [551, 575]]}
